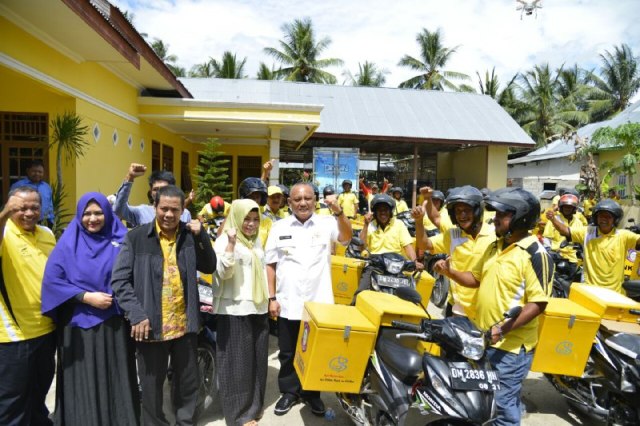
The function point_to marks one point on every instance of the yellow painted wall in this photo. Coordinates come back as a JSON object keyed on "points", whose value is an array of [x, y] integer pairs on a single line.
{"points": [[496, 167], [444, 165], [482, 166]]}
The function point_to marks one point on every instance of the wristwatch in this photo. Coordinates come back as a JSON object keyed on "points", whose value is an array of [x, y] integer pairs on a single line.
{"points": [[272, 299], [339, 214]]}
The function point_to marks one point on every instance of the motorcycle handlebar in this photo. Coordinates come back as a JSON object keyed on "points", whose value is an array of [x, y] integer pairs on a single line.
{"points": [[416, 328]]}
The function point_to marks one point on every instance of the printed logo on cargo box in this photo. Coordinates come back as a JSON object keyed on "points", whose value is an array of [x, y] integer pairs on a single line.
{"points": [[338, 363], [564, 348], [305, 336], [343, 286]]}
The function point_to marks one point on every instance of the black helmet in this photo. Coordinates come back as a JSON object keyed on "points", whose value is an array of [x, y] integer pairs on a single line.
{"points": [[316, 190], [382, 199], [396, 189], [466, 195], [438, 195], [328, 190], [607, 205], [346, 182], [251, 185], [522, 203], [284, 189], [485, 192]]}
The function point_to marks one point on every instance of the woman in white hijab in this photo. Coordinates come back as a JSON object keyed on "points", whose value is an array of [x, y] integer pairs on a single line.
{"points": [[242, 323]]}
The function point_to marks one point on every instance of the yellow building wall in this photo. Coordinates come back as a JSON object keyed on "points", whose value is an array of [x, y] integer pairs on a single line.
{"points": [[482, 166], [496, 167]]}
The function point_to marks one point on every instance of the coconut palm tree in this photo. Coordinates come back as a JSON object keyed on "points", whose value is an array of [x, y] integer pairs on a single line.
{"points": [[300, 54], [546, 117], [368, 75], [203, 70], [618, 82], [266, 73], [162, 50], [228, 66], [574, 93], [433, 59]]}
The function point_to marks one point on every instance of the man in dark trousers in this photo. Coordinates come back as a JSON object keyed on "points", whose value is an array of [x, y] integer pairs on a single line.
{"points": [[154, 281]]}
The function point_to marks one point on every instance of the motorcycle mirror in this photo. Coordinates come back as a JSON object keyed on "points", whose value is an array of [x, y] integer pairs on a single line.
{"points": [[409, 266], [356, 241], [409, 294], [513, 312], [564, 243]]}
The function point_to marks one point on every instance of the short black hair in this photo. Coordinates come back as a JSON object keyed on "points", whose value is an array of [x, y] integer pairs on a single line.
{"points": [[164, 175], [25, 188], [170, 191], [35, 163]]}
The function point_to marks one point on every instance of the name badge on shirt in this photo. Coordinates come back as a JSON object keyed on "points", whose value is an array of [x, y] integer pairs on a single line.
{"points": [[285, 237]]}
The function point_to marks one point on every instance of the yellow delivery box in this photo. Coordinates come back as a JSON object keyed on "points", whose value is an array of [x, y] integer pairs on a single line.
{"points": [[334, 345], [607, 303], [424, 285], [345, 276], [565, 335], [382, 308]]}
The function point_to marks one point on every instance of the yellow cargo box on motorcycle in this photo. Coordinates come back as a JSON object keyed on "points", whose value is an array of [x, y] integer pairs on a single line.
{"points": [[334, 345], [604, 302], [565, 336], [345, 276]]}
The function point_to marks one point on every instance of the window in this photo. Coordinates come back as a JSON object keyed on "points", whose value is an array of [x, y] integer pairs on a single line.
{"points": [[185, 172], [155, 156], [622, 180], [249, 167], [167, 158], [549, 186]]}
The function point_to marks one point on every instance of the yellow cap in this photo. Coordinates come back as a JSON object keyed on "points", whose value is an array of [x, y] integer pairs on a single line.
{"points": [[273, 189]]}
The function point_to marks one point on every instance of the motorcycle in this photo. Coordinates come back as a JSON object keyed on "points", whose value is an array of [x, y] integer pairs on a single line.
{"points": [[609, 388], [565, 271], [440, 291], [403, 386], [206, 351]]}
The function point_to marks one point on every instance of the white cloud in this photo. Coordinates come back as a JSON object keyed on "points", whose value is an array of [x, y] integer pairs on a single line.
{"points": [[490, 33]]}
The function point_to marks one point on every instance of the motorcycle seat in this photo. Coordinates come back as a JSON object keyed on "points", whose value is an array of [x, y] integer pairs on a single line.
{"points": [[632, 288], [627, 344], [405, 362]]}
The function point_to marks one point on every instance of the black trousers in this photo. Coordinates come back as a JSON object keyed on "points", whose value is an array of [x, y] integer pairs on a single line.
{"points": [[153, 359], [288, 381], [26, 373]]}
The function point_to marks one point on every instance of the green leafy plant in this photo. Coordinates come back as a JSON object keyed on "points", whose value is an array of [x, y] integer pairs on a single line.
{"points": [[68, 139], [212, 174]]}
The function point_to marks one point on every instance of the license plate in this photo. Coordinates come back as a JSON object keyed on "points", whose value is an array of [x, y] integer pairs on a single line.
{"points": [[468, 378], [390, 281]]}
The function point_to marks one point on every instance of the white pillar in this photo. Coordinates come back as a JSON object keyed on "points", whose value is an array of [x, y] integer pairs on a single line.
{"points": [[274, 154]]}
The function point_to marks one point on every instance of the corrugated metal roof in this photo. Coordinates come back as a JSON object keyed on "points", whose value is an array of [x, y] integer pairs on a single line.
{"points": [[378, 112], [561, 148]]}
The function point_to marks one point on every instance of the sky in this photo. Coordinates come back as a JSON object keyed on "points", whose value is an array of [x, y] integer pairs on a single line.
{"points": [[487, 33]]}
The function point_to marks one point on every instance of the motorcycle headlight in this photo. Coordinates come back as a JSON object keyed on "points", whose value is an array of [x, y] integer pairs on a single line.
{"points": [[393, 266], [472, 346]]}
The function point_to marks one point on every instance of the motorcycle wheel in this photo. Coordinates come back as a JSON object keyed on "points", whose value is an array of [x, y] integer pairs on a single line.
{"points": [[440, 290], [208, 390]]}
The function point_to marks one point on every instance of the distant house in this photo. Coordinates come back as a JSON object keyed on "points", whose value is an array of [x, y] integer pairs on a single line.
{"points": [[550, 168]]}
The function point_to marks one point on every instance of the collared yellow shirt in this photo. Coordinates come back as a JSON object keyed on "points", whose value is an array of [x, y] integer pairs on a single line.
{"points": [[465, 252], [207, 212], [401, 206], [174, 313], [511, 276], [588, 206], [24, 256], [348, 201], [556, 238], [604, 255], [392, 239]]}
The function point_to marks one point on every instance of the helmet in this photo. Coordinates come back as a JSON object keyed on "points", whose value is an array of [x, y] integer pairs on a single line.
{"points": [[572, 191], [437, 195], [284, 189], [382, 199], [217, 204], [251, 185], [346, 182], [396, 189], [328, 190], [607, 205], [568, 200], [316, 191], [466, 195], [485, 192], [522, 203]]}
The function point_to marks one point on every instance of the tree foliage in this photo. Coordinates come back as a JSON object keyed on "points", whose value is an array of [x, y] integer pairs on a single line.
{"points": [[212, 174], [368, 75], [299, 54]]}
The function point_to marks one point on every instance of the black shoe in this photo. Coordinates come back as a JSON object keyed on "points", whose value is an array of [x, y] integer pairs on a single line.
{"points": [[316, 405], [285, 403]]}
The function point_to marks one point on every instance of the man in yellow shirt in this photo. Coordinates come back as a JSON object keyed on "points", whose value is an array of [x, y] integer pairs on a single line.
{"points": [[27, 338], [605, 247], [516, 270], [465, 243], [348, 200], [383, 233], [588, 204], [436, 216], [566, 214], [401, 205], [216, 207]]}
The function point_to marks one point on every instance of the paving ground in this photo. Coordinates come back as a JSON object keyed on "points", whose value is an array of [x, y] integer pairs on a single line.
{"points": [[545, 406]]}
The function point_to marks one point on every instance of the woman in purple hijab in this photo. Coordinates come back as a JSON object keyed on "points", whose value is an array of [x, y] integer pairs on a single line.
{"points": [[96, 377]]}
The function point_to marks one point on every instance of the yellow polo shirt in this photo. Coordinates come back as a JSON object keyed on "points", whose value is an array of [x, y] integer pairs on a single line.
{"points": [[207, 212], [401, 206], [556, 238], [588, 206], [174, 313], [348, 201], [604, 255], [392, 239], [265, 228], [512, 276], [24, 256], [465, 252], [445, 221]]}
